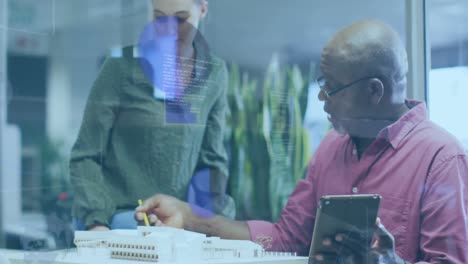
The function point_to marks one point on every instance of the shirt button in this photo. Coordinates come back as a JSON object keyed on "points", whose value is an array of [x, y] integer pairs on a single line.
{"points": [[355, 190], [354, 152]]}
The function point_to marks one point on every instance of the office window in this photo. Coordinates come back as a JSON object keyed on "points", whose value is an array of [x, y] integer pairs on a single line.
{"points": [[448, 76]]}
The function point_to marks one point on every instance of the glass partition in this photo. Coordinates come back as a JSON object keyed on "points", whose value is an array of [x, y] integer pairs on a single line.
{"points": [[268, 123]]}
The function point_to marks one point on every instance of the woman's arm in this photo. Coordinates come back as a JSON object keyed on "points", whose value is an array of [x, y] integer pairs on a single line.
{"points": [[92, 204], [210, 179]]}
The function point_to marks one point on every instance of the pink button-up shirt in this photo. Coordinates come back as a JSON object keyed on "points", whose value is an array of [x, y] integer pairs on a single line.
{"points": [[420, 170]]}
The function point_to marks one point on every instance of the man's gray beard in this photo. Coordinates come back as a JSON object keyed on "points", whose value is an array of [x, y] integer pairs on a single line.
{"points": [[340, 130], [367, 128]]}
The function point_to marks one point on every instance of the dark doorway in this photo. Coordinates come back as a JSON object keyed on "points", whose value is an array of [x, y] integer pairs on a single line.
{"points": [[26, 95]]}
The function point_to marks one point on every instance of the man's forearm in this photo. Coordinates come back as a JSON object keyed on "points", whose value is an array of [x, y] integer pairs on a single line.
{"points": [[169, 211], [219, 226]]}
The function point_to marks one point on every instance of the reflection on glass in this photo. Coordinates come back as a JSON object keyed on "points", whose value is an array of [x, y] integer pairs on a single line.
{"points": [[57, 51]]}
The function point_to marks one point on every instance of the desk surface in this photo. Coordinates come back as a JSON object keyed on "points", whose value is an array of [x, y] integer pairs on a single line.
{"points": [[72, 257]]}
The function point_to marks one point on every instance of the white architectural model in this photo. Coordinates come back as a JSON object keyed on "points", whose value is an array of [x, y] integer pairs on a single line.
{"points": [[167, 245]]}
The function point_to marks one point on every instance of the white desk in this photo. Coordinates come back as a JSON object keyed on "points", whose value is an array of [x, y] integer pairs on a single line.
{"points": [[72, 257]]}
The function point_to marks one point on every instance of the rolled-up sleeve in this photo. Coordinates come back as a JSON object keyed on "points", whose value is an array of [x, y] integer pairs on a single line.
{"points": [[444, 212], [293, 231]]}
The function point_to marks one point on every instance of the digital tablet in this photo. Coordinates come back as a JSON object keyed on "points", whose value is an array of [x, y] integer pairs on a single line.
{"points": [[342, 214]]}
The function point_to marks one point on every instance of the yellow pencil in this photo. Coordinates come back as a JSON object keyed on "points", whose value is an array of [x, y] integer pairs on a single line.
{"points": [[145, 217]]}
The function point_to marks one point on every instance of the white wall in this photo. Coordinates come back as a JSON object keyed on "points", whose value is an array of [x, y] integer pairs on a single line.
{"points": [[10, 167], [58, 99]]}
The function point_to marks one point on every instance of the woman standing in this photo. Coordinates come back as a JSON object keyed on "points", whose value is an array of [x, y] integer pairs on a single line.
{"points": [[154, 124]]}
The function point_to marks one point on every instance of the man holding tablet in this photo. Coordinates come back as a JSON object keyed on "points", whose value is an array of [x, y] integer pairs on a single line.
{"points": [[381, 144]]}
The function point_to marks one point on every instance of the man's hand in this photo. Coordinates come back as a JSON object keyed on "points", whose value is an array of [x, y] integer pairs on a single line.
{"points": [[164, 210], [99, 228], [350, 250]]}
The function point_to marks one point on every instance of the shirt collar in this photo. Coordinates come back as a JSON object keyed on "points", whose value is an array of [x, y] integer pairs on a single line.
{"points": [[397, 131]]}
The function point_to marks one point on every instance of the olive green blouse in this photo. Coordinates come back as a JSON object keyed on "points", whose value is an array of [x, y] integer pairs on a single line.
{"points": [[129, 147]]}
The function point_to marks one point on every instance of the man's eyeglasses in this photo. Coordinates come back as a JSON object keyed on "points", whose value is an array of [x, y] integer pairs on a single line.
{"points": [[321, 82]]}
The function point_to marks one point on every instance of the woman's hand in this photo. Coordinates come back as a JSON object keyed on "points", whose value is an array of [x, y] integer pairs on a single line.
{"points": [[99, 228]]}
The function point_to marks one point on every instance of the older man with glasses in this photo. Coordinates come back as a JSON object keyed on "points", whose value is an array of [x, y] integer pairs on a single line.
{"points": [[381, 143]]}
